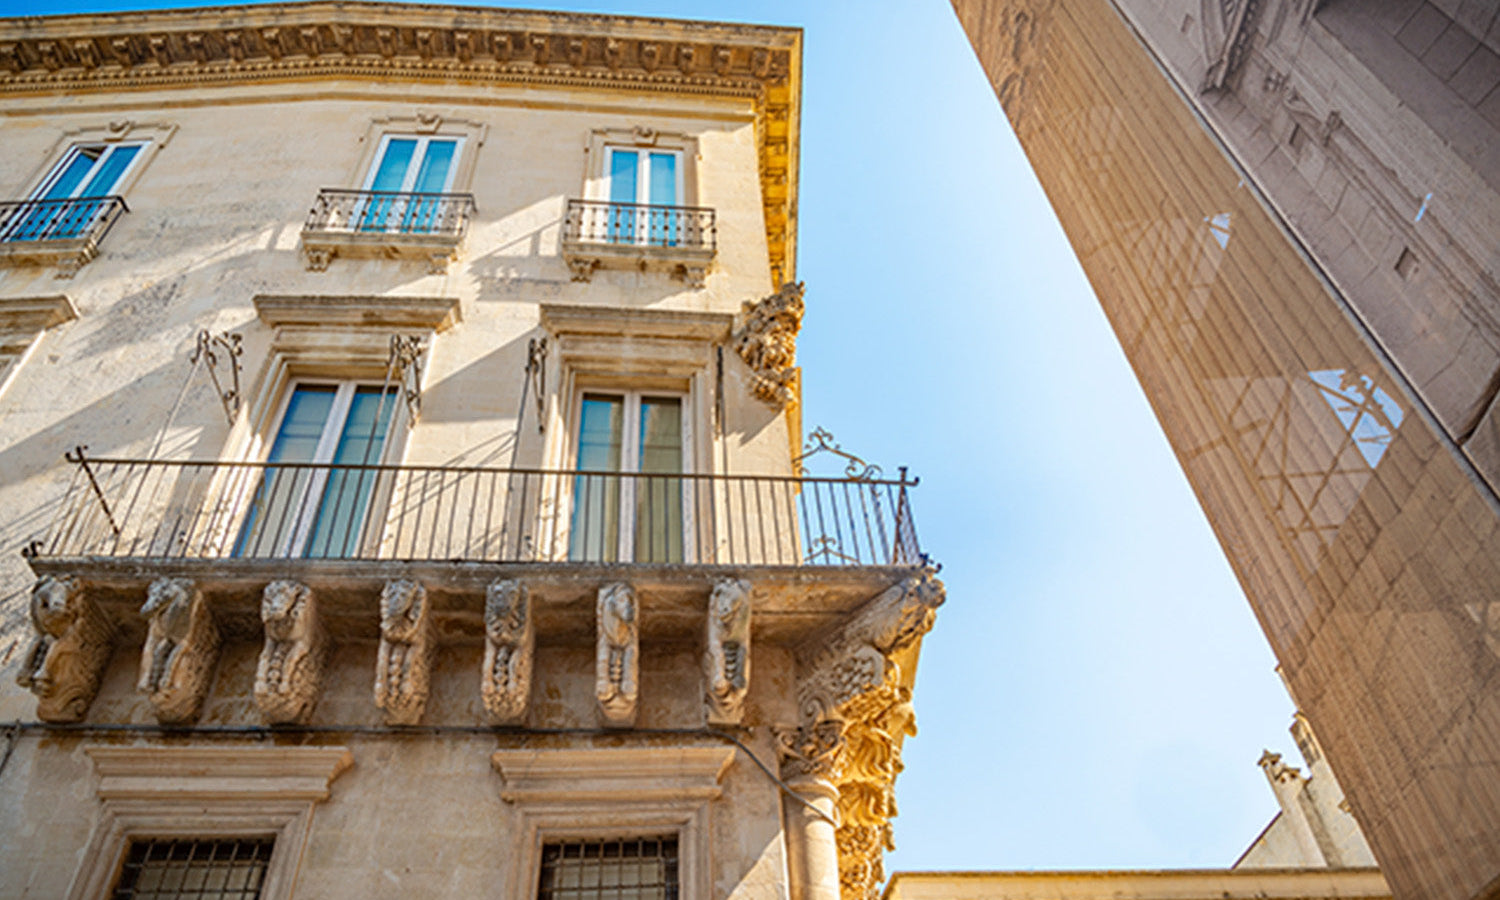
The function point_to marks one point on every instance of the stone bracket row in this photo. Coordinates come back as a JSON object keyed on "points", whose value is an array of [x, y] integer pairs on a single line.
{"points": [[74, 638]]}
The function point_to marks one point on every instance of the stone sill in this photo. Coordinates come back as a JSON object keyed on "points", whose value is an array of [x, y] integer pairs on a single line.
{"points": [[67, 254], [688, 263], [320, 247]]}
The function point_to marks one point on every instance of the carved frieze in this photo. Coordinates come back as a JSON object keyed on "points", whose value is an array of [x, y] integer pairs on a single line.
{"points": [[182, 644], [69, 649], [726, 655], [289, 676], [766, 340], [403, 670], [509, 645], [618, 655], [856, 710]]}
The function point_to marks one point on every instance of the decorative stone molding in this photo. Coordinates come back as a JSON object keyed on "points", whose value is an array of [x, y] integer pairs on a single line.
{"points": [[72, 642], [617, 666], [206, 792], [290, 674], [182, 644], [404, 668], [726, 657], [766, 340], [1228, 26], [355, 41], [509, 646], [855, 703], [604, 792]]}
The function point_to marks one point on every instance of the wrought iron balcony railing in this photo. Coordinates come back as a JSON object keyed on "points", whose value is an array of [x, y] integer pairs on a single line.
{"points": [[80, 219], [390, 213], [598, 222], [159, 510]]}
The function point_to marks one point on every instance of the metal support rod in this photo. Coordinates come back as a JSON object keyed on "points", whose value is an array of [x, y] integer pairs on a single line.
{"points": [[77, 456]]}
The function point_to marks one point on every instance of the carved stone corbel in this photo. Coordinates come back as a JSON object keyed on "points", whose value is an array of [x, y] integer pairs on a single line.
{"points": [[317, 259], [69, 650], [617, 665], [289, 676], [766, 340], [856, 710], [403, 672], [509, 645], [726, 655], [182, 643]]}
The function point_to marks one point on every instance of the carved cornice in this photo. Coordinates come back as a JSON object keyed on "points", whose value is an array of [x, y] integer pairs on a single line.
{"points": [[352, 40], [855, 702]]}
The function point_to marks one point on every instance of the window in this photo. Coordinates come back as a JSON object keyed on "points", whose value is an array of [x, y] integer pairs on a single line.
{"points": [[232, 869], [404, 179], [638, 177], [637, 511], [74, 195], [307, 503], [632, 869]]}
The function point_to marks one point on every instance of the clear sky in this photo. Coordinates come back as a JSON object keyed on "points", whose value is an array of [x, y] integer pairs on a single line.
{"points": [[1096, 691]]}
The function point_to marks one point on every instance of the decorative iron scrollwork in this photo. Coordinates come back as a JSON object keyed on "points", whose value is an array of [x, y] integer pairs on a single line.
{"points": [[536, 375], [227, 343], [822, 441], [405, 366]]}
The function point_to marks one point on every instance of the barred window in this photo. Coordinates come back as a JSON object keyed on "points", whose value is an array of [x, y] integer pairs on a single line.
{"points": [[202, 870], [633, 869]]}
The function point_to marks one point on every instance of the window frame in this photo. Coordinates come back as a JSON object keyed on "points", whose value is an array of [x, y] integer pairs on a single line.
{"points": [[414, 167], [152, 135], [72, 152], [633, 391]]}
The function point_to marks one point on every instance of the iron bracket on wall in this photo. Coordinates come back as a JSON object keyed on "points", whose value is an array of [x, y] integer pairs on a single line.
{"points": [[536, 374], [405, 365], [209, 350]]}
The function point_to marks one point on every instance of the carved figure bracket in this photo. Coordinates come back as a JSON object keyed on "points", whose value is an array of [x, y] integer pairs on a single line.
{"points": [[509, 648], [70, 647], [617, 662], [766, 340], [403, 671], [182, 644], [726, 656], [289, 676]]}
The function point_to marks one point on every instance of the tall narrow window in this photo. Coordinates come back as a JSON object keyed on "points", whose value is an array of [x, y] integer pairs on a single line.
{"points": [[635, 511], [231, 869], [644, 177], [407, 175], [635, 869], [316, 492], [73, 194]]}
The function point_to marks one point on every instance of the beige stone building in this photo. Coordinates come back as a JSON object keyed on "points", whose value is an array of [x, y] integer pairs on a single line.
{"points": [[1289, 210], [399, 424]]}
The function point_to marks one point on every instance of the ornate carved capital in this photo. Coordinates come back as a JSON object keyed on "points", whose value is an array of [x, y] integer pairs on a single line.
{"points": [[766, 340], [509, 645], [618, 663], [403, 671], [856, 709], [726, 655], [69, 650], [182, 643], [290, 674]]}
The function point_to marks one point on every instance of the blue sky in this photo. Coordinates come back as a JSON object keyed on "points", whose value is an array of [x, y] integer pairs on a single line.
{"points": [[1096, 691]]}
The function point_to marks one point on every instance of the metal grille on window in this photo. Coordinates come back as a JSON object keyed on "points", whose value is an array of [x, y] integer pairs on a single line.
{"points": [[635, 869], [202, 870]]}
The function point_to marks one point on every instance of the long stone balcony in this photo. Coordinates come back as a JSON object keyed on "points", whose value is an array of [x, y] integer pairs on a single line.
{"points": [[680, 240], [386, 224], [65, 233]]}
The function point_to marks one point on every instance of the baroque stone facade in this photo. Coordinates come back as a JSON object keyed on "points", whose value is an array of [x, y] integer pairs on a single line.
{"points": [[397, 551]]}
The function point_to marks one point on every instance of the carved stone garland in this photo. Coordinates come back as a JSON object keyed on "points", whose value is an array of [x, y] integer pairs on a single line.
{"points": [[766, 340], [509, 646], [182, 643], [403, 671], [726, 655], [71, 646], [289, 676], [617, 665], [855, 711]]}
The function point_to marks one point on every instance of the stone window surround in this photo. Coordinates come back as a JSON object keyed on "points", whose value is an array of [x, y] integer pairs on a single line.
{"points": [[155, 135], [22, 322], [609, 348], [604, 793], [596, 179], [196, 792], [422, 123]]}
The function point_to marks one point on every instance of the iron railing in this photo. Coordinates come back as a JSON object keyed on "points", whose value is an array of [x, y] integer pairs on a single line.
{"points": [[151, 509], [598, 222], [81, 218], [390, 212]]}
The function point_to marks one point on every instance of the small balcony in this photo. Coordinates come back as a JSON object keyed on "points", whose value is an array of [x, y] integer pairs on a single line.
{"points": [[386, 225], [64, 233], [680, 240]]}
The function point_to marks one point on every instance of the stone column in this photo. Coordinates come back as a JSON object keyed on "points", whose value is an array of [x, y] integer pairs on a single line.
{"points": [[812, 851]]}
